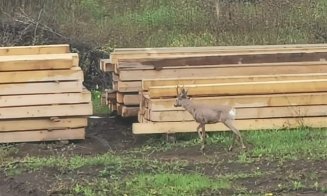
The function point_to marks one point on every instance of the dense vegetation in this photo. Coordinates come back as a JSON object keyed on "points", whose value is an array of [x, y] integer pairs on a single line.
{"points": [[94, 27]]}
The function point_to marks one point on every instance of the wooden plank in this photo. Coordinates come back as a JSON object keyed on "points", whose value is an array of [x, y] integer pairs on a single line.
{"points": [[227, 79], [40, 88], [244, 88], [241, 54], [38, 62], [105, 65], [42, 123], [258, 124], [270, 100], [127, 87], [41, 76], [45, 99], [129, 111], [46, 111], [205, 48], [120, 97], [114, 77], [245, 113], [131, 99], [38, 49], [227, 70], [42, 135]]}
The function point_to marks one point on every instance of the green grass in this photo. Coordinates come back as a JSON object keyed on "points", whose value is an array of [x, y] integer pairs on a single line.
{"points": [[98, 107]]}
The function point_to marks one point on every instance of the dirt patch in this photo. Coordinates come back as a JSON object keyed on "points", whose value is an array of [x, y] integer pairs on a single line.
{"points": [[114, 134]]}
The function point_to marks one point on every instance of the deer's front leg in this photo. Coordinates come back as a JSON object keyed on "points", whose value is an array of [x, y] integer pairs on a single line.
{"points": [[199, 133]]}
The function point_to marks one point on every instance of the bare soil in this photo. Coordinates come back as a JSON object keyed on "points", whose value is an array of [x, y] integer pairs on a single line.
{"points": [[105, 134]]}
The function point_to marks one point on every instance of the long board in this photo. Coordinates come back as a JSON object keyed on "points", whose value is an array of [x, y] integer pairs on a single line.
{"points": [[42, 124], [226, 70], [44, 99], [244, 113], [147, 83], [127, 87], [31, 50], [258, 124], [41, 88], [244, 88], [38, 62], [41, 76], [42, 135], [245, 101], [46, 111]]}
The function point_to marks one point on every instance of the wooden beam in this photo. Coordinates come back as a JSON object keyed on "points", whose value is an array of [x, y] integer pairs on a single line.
{"points": [[38, 62], [245, 101], [42, 76], [245, 88], [106, 66], [45, 99], [38, 49], [227, 70], [227, 79], [42, 135], [244, 113], [131, 99], [258, 124], [42, 123], [40, 88], [127, 87], [246, 55], [129, 111], [46, 111]]}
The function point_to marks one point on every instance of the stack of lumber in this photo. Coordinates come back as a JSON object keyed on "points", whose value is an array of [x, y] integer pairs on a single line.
{"points": [[42, 97], [129, 66]]}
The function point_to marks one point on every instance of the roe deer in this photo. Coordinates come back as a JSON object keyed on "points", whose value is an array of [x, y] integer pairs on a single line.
{"points": [[205, 114]]}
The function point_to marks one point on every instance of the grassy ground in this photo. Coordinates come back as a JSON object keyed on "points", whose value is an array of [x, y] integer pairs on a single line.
{"points": [[276, 162]]}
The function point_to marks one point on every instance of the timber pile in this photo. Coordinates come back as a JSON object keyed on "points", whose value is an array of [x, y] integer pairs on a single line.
{"points": [[42, 97], [129, 66]]}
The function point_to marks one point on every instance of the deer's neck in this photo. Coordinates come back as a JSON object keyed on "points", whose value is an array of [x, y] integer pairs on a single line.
{"points": [[188, 105]]}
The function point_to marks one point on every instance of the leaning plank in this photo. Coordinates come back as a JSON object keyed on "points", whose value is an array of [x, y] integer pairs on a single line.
{"points": [[227, 79], [42, 135], [129, 111], [268, 100], [244, 113], [183, 127], [45, 99], [42, 123], [226, 70], [244, 88], [40, 88], [41, 76], [46, 111], [38, 62], [31, 50]]}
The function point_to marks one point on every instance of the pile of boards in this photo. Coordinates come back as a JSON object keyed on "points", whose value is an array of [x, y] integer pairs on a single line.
{"points": [[273, 86], [42, 97]]}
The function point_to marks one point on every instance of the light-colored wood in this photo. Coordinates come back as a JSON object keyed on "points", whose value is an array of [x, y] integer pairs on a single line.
{"points": [[42, 135], [245, 88], [258, 124], [174, 54], [233, 48], [114, 76], [227, 79], [46, 111], [41, 76], [129, 111], [44, 99], [38, 62], [41, 88], [232, 70], [38, 49], [128, 87], [115, 85], [120, 97], [42, 123], [245, 113], [131, 99], [106, 66], [270, 100]]}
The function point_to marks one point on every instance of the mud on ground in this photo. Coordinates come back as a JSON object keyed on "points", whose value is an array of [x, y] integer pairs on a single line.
{"points": [[114, 134]]}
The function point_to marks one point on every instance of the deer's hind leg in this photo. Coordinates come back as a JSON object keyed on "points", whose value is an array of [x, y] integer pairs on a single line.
{"points": [[203, 138], [230, 125], [199, 133]]}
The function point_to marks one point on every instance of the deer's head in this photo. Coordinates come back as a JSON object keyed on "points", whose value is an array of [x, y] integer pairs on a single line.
{"points": [[181, 96]]}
